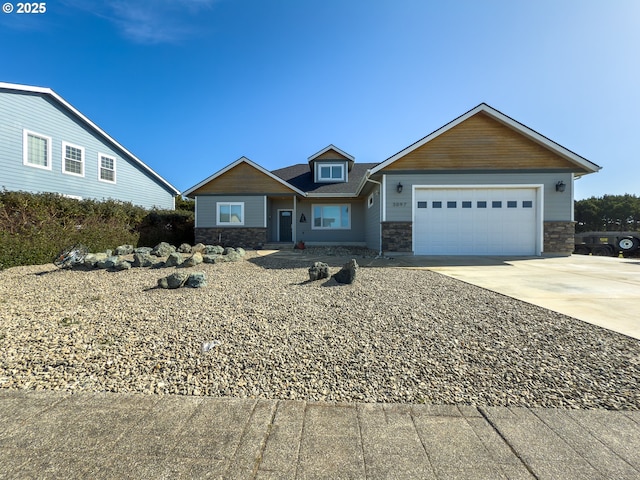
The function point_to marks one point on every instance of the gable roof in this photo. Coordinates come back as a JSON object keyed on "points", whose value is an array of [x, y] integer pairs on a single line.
{"points": [[505, 120], [67, 106], [334, 148], [229, 167], [300, 176]]}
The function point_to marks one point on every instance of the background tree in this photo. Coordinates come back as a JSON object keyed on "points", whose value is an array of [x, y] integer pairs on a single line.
{"points": [[608, 213]]}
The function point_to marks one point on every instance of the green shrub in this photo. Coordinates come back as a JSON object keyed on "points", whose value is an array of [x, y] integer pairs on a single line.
{"points": [[34, 228]]}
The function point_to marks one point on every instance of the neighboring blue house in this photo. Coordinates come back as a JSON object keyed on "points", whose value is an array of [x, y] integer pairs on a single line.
{"points": [[46, 145]]}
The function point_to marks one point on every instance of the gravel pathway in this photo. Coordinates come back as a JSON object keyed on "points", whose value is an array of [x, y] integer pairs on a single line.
{"points": [[396, 335]]}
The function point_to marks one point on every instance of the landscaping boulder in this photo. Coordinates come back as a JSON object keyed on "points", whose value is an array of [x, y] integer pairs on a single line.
{"points": [[318, 271], [163, 249], [122, 265], [241, 251], [124, 250], [197, 280], [175, 280], [184, 248], [213, 258], [198, 247], [109, 262], [193, 260], [143, 259], [142, 250], [232, 256], [347, 273], [173, 260], [213, 249], [91, 259]]}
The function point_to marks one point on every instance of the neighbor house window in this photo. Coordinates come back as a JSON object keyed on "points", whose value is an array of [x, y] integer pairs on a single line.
{"points": [[107, 169], [72, 159], [36, 150], [331, 173], [230, 213], [331, 217]]}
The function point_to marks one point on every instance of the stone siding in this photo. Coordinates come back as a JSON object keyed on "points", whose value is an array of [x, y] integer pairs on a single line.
{"points": [[397, 236], [559, 237], [232, 237]]}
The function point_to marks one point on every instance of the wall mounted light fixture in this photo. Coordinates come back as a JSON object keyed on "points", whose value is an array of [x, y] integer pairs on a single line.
{"points": [[399, 187], [303, 219], [560, 186]]}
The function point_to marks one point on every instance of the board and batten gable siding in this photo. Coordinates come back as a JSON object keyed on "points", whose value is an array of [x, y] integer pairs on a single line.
{"points": [[482, 143], [557, 206], [254, 210], [37, 113], [245, 179]]}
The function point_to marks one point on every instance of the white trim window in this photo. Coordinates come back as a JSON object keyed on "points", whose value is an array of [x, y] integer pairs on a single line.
{"points": [[36, 150], [72, 159], [230, 213], [106, 168], [331, 217], [330, 172]]}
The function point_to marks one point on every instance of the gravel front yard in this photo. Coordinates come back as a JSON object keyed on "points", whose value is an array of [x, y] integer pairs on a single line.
{"points": [[396, 335]]}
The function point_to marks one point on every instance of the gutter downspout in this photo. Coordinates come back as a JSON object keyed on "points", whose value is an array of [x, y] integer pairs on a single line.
{"points": [[380, 229]]}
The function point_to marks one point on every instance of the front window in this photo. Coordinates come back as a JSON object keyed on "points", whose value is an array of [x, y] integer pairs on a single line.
{"points": [[331, 217], [107, 169], [36, 150], [331, 173], [73, 159], [230, 213]]}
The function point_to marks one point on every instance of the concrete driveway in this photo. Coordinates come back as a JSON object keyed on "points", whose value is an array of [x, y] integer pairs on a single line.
{"points": [[604, 291]]}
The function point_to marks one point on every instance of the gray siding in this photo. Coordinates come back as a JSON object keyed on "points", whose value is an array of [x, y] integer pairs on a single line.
{"points": [[372, 220], [557, 206], [356, 234], [39, 114], [254, 206]]}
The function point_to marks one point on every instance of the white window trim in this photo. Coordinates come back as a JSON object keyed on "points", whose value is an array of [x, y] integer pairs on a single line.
{"points": [[64, 159], [115, 174], [319, 166], [340, 205], [234, 224], [25, 149]]}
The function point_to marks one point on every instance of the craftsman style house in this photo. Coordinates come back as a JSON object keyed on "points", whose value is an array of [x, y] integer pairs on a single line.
{"points": [[483, 184], [46, 145]]}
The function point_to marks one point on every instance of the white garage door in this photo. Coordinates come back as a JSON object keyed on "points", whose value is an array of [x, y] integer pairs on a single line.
{"points": [[476, 221]]}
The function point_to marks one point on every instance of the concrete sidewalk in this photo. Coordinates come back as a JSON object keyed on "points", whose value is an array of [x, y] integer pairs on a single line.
{"points": [[111, 436]]}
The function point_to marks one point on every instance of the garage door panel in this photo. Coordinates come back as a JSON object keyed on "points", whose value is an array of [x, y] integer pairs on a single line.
{"points": [[494, 221]]}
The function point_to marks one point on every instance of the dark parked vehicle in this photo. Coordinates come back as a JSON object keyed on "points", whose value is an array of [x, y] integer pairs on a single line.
{"points": [[607, 244]]}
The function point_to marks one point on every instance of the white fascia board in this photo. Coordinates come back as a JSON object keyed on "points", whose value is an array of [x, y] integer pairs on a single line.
{"points": [[236, 163], [72, 109], [504, 119], [332, 147], [332, 195]]}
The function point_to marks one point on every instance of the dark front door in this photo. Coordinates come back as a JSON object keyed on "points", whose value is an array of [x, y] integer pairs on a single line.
{"points": [[285, 226]]}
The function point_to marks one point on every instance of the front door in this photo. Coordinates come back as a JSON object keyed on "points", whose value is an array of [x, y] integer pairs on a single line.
{"points": [[285, 226]]}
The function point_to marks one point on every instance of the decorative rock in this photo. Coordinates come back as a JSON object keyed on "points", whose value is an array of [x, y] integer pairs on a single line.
{"points": [[122, 265], [193, 260], [124, 250], [213, 249], [213, 258], [318, 271], [108, 262], [197, 280], [142, 250], [232, 256], [173, 260], [241, 251], [91, 259], [198, 247], [184, 248], [163, 249], [175, 280], [143, 259], [347, 273]]}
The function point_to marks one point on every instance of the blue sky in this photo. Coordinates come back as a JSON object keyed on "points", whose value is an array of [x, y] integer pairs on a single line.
{"points": [[191, 85]]}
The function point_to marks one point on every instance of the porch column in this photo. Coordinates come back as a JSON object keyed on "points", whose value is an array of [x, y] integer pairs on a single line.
{"points": [[294, 220]]}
